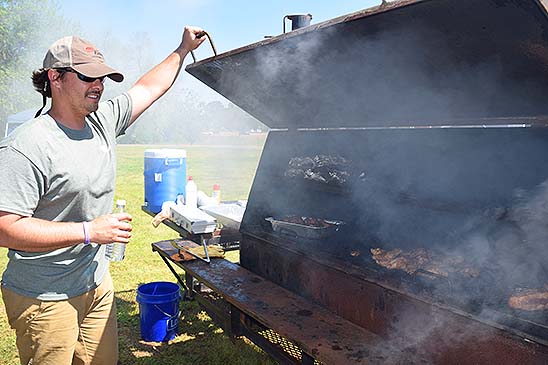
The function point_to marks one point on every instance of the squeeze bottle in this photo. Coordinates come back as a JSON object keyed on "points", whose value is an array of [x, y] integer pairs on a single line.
{"points": [[217, 193], [191, 193]]}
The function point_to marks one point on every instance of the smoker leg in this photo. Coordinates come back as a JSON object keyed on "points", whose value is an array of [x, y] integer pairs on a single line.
{"points": [[189, 287], [235, 324], [306, 359], [177, 276]]}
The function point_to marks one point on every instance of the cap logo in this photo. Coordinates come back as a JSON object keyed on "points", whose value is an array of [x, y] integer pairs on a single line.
{"points": [[81, 56]]}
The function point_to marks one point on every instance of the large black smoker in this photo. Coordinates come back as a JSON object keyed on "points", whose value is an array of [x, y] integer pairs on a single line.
{"points": [[415, 124]]}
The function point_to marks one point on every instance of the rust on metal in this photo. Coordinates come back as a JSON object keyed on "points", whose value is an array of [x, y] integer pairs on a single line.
{"points": [[441, 334], [317, 331]]}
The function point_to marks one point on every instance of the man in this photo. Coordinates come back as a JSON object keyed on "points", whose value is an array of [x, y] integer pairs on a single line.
{"points": [[56, 192]]}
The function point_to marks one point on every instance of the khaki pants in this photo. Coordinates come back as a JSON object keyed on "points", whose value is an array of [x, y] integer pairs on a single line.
{"points": [[80, 331]]}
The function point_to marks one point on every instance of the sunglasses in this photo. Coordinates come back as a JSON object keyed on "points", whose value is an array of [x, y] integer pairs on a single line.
{"points": [[83, 77]]}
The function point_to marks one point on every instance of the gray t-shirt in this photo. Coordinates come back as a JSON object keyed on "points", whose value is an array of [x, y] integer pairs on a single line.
{"points": [[51, 172]]}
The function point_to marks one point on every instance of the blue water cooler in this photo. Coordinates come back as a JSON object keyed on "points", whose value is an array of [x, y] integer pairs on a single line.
{"points": [[165, 176]]}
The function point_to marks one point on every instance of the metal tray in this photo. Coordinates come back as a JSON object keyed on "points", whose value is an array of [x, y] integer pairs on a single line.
{"points": [[295, 230], [228, 214], [192, 219]]}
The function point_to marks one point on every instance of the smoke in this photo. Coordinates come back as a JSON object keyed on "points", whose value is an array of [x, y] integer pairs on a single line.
{"points": [[530, 214], [301, 55], [340, 77], [467, 192]]}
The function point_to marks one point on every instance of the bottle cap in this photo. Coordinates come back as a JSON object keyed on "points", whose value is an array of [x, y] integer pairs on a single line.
{"points": [[190, 178], [216, 187], [120, 202]]}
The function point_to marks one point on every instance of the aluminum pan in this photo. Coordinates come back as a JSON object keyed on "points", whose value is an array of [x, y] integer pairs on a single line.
{"points": [[408, 63], [296, 230]]}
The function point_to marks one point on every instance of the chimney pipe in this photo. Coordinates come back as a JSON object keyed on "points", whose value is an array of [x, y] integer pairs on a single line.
{"points": [[298, 20]]}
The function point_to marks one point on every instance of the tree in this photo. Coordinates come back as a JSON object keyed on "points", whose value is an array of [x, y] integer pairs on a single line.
{"points": [[228, 117], [27, 28]]}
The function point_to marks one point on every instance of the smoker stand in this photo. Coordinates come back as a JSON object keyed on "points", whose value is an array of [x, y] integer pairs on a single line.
{"points": [[291, 329], [245, 304]]}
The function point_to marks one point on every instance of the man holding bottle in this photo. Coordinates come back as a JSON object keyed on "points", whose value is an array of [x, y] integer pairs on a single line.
{"points": [[56, 192]]}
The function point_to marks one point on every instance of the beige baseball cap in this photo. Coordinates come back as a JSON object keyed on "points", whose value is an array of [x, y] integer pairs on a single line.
{"points": [[79, 55]]}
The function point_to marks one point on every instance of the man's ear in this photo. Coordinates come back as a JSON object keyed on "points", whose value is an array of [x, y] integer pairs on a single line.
{"points": [[53, 75]]}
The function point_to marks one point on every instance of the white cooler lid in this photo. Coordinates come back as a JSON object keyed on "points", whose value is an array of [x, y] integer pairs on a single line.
{"points": [[165, 153]]}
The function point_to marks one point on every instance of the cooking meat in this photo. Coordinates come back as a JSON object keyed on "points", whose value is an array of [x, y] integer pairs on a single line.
{"points": [[422, 259], [530, 299], [326, 169], [409, 261], [307, 221]]}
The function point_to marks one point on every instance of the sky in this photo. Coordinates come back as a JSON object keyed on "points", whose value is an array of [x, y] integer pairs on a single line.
{"points": [[231, 24]]}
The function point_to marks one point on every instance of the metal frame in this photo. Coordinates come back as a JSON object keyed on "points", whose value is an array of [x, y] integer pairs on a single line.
{"points": [[235, 323], [273, 317]]}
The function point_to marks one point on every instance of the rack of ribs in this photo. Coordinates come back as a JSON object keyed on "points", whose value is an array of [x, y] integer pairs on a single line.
{"points": [[423, 259]]}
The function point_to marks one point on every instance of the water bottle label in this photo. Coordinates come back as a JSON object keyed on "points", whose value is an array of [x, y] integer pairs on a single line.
{"points": [[115, 251]]}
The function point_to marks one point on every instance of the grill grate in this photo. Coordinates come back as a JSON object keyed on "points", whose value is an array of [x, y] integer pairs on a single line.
{"points": [[283, 343], [271, 336], [230, 246]]}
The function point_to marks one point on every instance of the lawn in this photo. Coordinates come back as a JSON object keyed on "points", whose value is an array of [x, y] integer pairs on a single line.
{"points": [[199, 340]]}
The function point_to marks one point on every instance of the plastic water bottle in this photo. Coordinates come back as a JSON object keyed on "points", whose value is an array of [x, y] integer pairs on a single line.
{"points": [[116, 251], [191, 193]]}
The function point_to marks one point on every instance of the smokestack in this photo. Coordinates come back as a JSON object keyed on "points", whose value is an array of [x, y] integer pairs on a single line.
{"points": [[298, 20]]}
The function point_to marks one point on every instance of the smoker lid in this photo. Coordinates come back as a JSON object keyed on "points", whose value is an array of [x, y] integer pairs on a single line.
{"points": [[410, 62]]}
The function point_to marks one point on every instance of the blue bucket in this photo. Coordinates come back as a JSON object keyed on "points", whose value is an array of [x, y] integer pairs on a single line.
{"points": [[165, 176], [158, 310]]}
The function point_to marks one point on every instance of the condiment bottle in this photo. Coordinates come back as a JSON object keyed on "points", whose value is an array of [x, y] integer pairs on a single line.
{"points": [[217, 193], [191, 193]]}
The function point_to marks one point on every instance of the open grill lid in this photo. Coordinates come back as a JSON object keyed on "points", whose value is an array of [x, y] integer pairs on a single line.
{"points": [[409, 62]]}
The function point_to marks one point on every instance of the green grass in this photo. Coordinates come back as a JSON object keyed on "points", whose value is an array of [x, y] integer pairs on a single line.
{"points": [[199, 340]]}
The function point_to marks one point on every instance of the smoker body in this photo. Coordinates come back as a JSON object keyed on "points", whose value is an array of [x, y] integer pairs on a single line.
{"points": [[448, 189], [419, 124]]}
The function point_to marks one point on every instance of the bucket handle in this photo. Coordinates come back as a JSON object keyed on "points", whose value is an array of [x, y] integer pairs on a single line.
{"points": [[177, 315], [164, 313]]}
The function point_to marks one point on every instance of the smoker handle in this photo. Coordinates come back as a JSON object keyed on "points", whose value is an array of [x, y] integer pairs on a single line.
{"points": [[200, 35]]}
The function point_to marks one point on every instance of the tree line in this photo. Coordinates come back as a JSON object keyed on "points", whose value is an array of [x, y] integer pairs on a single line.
{"points": [[28, 27]]}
